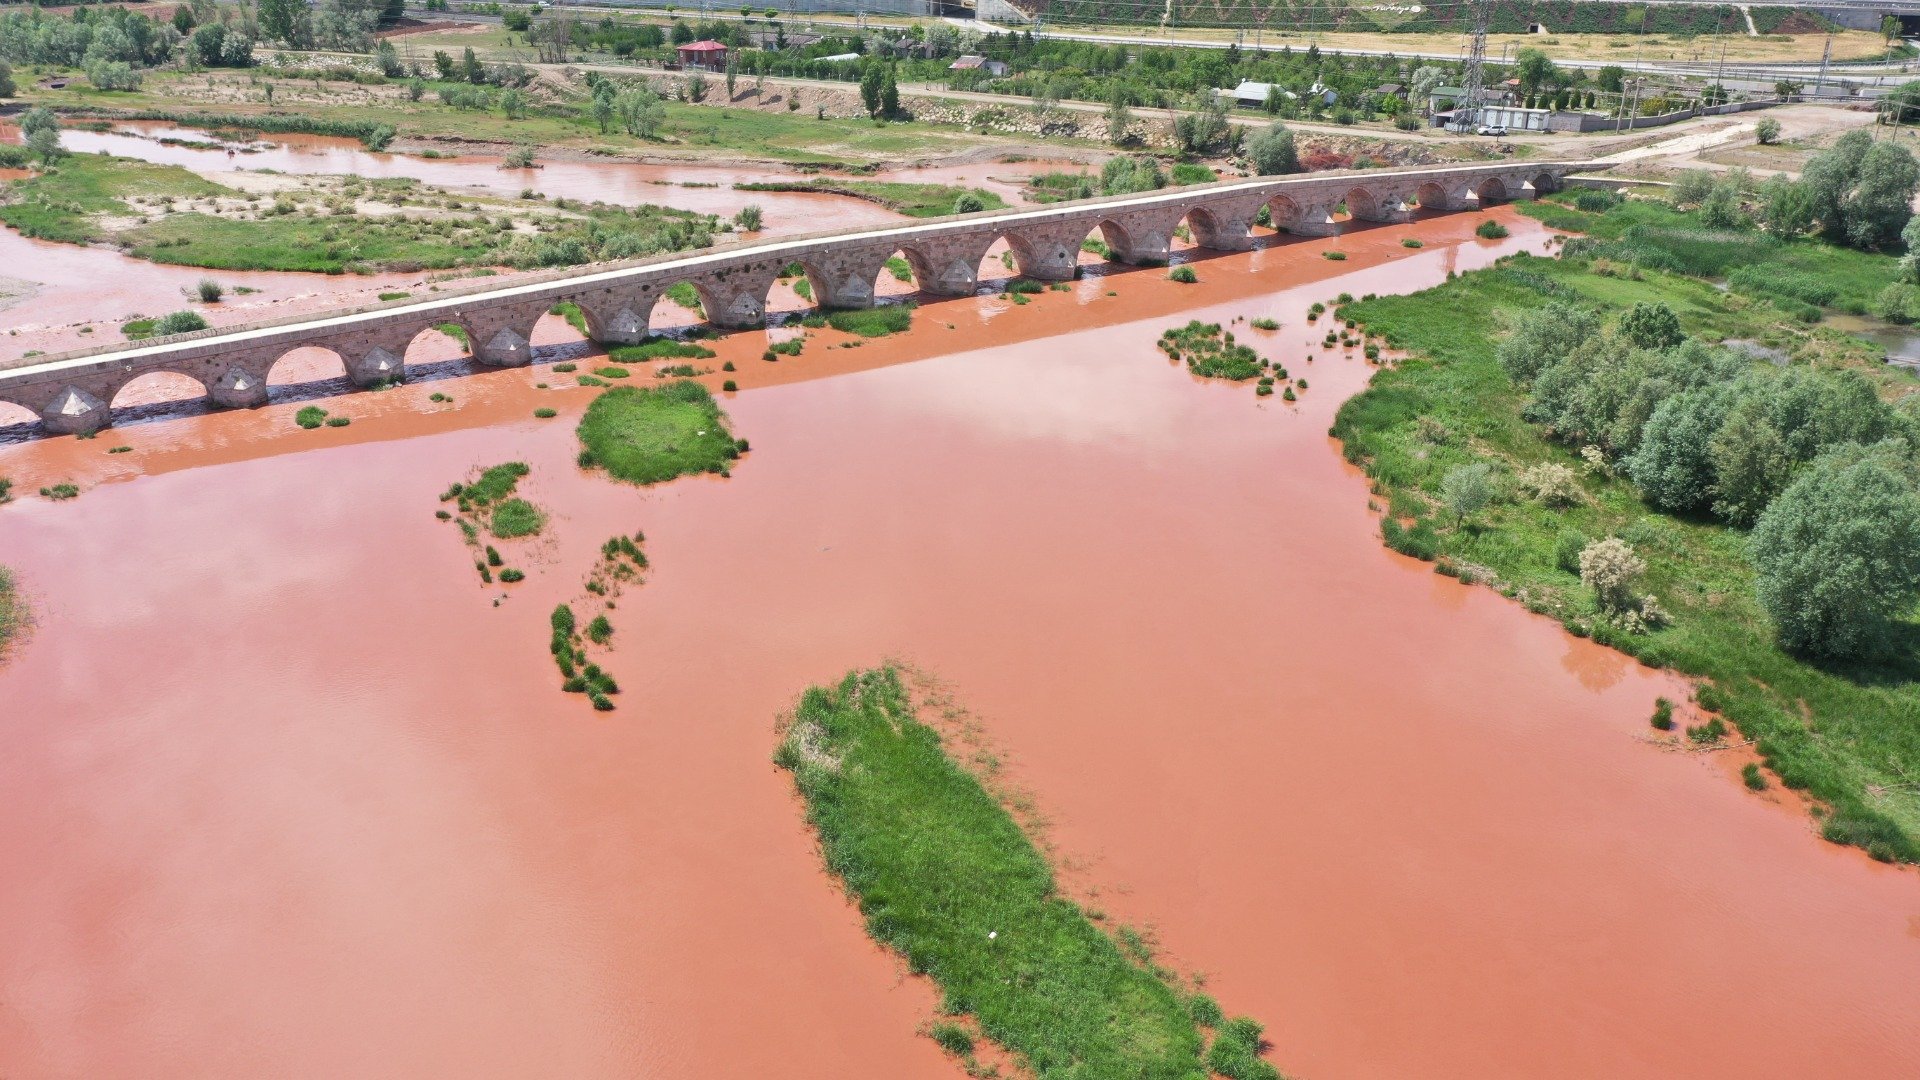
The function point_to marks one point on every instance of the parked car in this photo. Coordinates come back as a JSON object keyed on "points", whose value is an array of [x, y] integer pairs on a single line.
{"points": [[1485, 129]]}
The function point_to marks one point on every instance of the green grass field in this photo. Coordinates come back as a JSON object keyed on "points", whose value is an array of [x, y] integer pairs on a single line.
{"points": [[946, 877], [1847, 734]]}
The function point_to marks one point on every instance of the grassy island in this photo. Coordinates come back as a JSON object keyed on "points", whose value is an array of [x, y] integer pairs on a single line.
{"points": [[945, 876], [1595, 437], [647, 435], [13, 610]]}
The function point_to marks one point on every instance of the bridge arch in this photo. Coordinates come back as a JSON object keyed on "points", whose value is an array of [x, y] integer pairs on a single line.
{"points": [[680, 304], [156, 387], [16, 418], [1210, 232], [1283, 214], [1544, 183], [1490, 190], [1432, 196], [305, 365], [918, 270], [1362, 203]]}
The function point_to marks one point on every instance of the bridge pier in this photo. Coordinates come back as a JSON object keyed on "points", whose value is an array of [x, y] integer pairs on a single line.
{"points": [[1048, 252], [952, 265], [239, 388], [73, 411], [736, 299], [845, 280], [1314, 220], [502, 336]]}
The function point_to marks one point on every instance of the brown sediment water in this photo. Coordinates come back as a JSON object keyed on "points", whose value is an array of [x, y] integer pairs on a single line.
{"points": [[706, 189], [286, 794]]}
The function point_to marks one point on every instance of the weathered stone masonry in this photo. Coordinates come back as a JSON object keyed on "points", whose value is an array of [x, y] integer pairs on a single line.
{"points": [[75, 394]]}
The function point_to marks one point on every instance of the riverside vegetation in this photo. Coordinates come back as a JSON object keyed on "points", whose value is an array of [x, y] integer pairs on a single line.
{"points": [[166, 214], [1592, 436], [945, 876]]}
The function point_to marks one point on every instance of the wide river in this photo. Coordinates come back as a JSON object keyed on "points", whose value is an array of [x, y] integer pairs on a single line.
{"points": [[287, 792]]}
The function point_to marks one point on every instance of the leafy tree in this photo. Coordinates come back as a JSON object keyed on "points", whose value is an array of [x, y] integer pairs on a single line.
{"points": [[1691, 187], [1425, 81], [889, 95], [7, 88], [1611, 78], [1272, 151], [968, 203], [45, 143], [286, 21], [1650, 324], [1127, 175], [602, 108], [871, 80], [641, 112], [1535, 70], [1203, 126], [1910, 236], [1611, 569], [1767, 131], [471, 68], [1673, 466], [1880, 204], [1838, 553], [1786, 206], [1119, 117], [1750, 461], [1830, 175], [388, 58], [1467, 489], [1545, 336], [1721, 208]]}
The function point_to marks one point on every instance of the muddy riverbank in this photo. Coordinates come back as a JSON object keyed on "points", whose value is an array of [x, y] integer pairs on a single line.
{"points": [[287, 794]]}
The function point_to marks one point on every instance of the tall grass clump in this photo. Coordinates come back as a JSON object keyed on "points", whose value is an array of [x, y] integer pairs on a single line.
{"points": [[873, 322], [945, 876]]}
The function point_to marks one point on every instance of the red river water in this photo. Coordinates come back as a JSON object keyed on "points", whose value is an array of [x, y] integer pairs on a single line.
{"points": [[287, 793]]}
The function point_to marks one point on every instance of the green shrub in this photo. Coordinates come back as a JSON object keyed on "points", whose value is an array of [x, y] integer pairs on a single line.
{"points": [[545, 414], [1663, 714], [1751, 775], [515, 518], [954, 1039], [310, 417], [1183, 275], [1490, 230]]}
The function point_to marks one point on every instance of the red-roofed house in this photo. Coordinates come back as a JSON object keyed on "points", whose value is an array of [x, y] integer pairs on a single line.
{"points": [[703, 56]]}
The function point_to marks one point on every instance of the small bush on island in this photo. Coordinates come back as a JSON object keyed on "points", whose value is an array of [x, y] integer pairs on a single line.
{"points": [[1751, 775], [653, 434], [545, 414], [516, 518], [1410, 242], [310, 417], [1662, 714], [1490, 230], [1210, 352], [1183, 274]]}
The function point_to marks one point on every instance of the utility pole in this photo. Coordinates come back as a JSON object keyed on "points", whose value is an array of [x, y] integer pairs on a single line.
{"points": [[1820, 81], [1473, 80]]}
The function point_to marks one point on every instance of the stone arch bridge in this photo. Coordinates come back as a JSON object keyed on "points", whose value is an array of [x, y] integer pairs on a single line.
{"points": [[74, 393]]}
